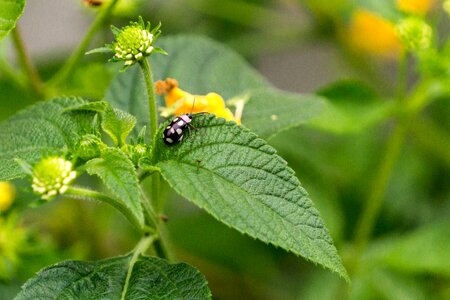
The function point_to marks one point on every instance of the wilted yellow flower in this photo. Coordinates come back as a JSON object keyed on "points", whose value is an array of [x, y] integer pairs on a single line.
{"points": [[372, 34], [181, 102], [417, 7], [7, 194]]}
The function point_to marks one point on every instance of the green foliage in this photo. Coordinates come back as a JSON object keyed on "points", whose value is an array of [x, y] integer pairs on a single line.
{"points": [[117, 172], [352, 108], [240, 180], [40, 129], [10, 12], [127, 92], [270, 111], [117, 124], [424, 250], [151, 278], [202, 66]]}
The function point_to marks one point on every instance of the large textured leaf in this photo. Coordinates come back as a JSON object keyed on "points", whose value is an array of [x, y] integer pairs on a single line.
{"points": [[240, 180], [426, 250], [119, 175], [270, 111], [10, 11], [151, 278], [201, 65], [44, 127]]}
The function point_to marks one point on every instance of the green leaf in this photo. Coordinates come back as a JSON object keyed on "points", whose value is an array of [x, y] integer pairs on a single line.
{"points": [[44, 127], [426, 250], [351, 108], [201, 66], [128, 93], [240, 180], [151, 278], [10, 11], [95, 106], [270, 111], [117, 124], [117, 172]]}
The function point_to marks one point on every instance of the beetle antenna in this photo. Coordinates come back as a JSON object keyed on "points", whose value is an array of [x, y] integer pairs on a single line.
{"points": [[193, 105]]}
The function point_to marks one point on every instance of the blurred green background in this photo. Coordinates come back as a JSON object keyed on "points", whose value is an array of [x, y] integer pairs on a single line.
{"points": [[300, 46]]}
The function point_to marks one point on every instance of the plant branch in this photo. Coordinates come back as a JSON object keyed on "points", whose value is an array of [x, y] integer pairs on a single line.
{"points": [[378, 189], [29, 69], [153, 113], [82, 193], [68, 68]]}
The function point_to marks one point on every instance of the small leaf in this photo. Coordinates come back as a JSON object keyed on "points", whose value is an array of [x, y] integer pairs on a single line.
{"points": [[10, 12], [151, 278], [117, 124], [270, 111], [44, 127], [96, 106], [240, 180], [117, 172]]}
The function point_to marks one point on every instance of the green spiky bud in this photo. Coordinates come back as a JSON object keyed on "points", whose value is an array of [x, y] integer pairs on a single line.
{"points": [[52, 176], [415, 33], [134, 42], [90, 146]]}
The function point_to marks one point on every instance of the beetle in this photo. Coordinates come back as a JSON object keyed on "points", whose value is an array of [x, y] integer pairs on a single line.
{"points": [[175, 131]]}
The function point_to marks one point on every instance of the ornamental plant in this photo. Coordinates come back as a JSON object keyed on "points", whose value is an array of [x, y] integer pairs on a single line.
{"points": [[161, 125]]}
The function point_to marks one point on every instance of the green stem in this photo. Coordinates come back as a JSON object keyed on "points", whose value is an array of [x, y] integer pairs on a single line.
{"points": [[153, 113], [68, 68], [141, 247], [82, 193], [402, 76], [34, 79], [377, 192]]}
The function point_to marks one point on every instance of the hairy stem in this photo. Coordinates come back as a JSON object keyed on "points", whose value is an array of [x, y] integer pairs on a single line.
{"points": [[68, 68], [153, 113], [82, 193], [30, 71]]}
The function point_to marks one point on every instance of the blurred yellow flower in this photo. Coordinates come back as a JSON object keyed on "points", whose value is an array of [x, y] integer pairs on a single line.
{"points": [[12, 240], [371, 34], [181, 102], [417, 7], [7, 194]]}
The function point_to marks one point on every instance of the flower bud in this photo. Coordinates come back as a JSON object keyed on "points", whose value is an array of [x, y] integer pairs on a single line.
{"points": [[134, 42], [52, 176], [415, 33], [90, 147]]}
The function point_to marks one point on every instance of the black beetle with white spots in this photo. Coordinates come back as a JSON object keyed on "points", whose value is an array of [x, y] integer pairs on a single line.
{"points": [[175, 131]]}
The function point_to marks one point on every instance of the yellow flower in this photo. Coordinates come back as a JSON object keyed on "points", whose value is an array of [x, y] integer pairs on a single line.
{"points": [[416, 7], [371, 34], [7, 194], [181, 102]]}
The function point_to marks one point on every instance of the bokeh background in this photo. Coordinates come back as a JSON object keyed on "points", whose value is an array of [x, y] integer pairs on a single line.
{"points": [[303, 46]]}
